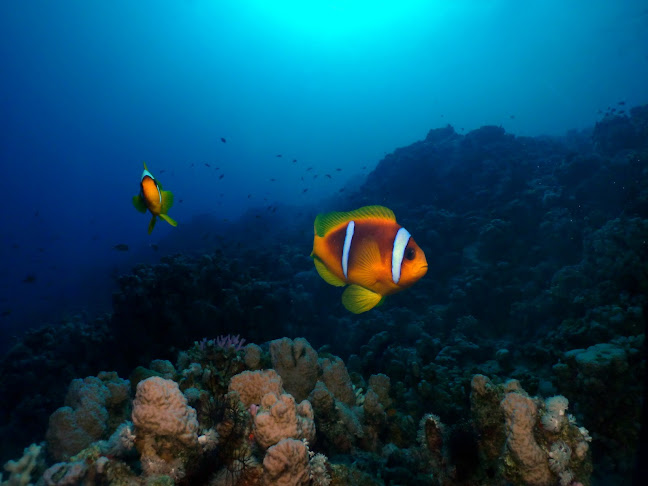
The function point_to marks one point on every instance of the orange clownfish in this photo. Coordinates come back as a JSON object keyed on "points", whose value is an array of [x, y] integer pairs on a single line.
{"points": [[153, 198], [367, 250]]}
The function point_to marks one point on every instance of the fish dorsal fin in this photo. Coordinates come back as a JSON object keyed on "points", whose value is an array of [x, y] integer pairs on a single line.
{"points": [[325, 222], [146, 168], [167, 200], [366, 263], [327, 275], [358, 299]]}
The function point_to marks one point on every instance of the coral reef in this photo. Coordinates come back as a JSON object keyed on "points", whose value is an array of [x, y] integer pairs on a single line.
{"points": [[537, 282]]}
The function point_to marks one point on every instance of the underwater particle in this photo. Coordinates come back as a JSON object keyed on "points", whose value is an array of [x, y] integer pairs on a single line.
{"points": [[294, 161], [328, 175], [305, 190], [369, 251], [512, 117], [207, 165], [162, 171], [121, 247], [278, 155], [30, 278], [338, 169], [273, 180], [309, 168], [223, 140], [221, 176]]}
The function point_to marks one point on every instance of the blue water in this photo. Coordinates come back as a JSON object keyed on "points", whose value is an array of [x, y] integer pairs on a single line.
{"points": [[90, 90]]}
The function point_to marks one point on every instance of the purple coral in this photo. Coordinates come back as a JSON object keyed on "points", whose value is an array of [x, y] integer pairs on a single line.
{"points": [[229, 341]]}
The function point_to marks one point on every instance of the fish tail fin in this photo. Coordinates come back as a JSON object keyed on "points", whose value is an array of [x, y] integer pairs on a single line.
{"points": [[139, 204], [152, 224], [359, 299], [326, 274], [169, 220]]}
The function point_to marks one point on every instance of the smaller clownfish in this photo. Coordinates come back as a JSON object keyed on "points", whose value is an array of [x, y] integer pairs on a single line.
{"points": [[153, 198], [367, 250]]}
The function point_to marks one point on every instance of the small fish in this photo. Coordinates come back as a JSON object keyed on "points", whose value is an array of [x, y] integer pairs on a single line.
{"points": [[249, 196], [315, 176], [294, 161], [512, 117], [621, 103], [120, 247], [220, 177], [305, 190], [30, 278], [338, 169], [273, 180], [154, 247], [162, 171], [153, 198], [341, 190], [278, 155], [364, 167], [207, 165], [328, 175], [180, 201], [367, 250], [223, 140]]}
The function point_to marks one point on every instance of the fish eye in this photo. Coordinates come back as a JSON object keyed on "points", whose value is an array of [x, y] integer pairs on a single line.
{"points": [[410, 253]]}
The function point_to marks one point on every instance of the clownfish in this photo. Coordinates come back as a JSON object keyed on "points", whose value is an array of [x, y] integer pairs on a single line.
{"points": [[153, 198], [367, 250]]}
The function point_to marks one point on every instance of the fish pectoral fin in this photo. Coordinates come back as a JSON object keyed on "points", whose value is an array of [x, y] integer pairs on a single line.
{"points": [[366, 264], [152, 224], [169, 220], [327, 275], [167, 200], [359, 299], [139, 204]]}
